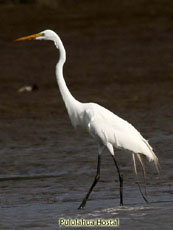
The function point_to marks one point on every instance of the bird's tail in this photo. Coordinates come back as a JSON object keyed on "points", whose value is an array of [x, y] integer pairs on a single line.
{"points": [[152, 156]]}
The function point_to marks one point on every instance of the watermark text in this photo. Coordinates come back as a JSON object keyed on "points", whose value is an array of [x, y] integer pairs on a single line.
{"points": [[88, 222]]}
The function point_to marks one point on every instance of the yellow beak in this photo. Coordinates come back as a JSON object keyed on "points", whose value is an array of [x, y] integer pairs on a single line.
{"points": [[33, 36]]}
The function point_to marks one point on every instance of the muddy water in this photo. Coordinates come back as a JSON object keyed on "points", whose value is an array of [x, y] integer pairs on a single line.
{"points": [[119, 57]]}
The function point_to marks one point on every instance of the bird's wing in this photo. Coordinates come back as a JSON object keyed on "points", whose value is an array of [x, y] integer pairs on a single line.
{"points": [[109, 128], [97, 117]]}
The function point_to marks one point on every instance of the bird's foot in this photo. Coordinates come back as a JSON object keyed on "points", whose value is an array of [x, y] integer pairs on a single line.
{"points": [[121, 203], [81, 206]]}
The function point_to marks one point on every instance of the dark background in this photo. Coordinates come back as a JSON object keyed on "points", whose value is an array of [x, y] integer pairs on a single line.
{"points": [[119, 54]]}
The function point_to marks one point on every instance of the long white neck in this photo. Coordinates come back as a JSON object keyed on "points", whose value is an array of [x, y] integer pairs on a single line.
{"points": [[69, 100]]}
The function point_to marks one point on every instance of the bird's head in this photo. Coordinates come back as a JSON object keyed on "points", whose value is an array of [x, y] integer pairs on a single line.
{"points": [[47, 35], [44, 35]]}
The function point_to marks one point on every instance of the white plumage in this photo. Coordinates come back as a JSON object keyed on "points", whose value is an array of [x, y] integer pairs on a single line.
{"points": [[109, 130]]}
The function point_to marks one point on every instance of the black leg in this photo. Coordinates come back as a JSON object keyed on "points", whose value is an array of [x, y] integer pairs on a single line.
{"points": [[137, 180], [121, 181], [97, 177]]}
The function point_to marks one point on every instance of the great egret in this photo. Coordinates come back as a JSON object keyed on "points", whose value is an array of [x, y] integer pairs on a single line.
{"points": [[108, 130]]}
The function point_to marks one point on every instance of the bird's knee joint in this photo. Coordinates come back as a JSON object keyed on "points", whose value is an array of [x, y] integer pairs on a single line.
{"points": [[97, 178]]}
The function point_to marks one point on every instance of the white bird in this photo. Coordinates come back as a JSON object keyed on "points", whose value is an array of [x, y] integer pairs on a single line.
{"points": [[108, 130]]}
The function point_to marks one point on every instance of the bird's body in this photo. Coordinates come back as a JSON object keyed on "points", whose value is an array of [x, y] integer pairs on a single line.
{"points": [[109, 130]]}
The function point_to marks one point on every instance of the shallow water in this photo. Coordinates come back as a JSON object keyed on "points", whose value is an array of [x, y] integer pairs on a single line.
{"points": [[121, 62], [46, 180]]}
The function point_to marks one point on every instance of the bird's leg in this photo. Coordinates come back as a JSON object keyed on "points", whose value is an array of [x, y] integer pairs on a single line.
{"points": [[144, 173], [97, 177], [120, 180], [136, 173]]}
